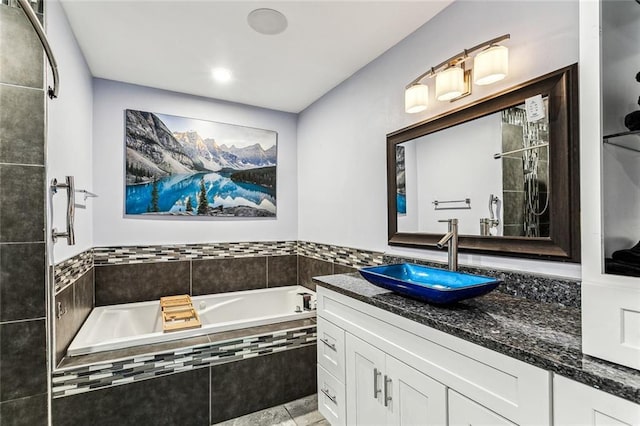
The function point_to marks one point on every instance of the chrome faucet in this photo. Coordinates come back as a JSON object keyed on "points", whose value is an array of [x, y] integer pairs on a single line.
{"points": [[451, 238]]}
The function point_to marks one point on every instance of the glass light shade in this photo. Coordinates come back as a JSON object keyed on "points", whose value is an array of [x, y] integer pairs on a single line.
{"points": [[449, 83], [491, 65], [416, 98]]}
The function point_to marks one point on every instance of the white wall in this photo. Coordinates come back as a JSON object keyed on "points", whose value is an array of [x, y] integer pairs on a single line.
{"points": [[112, 228], [69, 131], [620, 92], [341, 137]]}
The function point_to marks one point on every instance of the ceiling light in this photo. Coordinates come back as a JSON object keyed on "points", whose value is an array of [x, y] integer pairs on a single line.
{"points": [[221, 75], [267, 21]]}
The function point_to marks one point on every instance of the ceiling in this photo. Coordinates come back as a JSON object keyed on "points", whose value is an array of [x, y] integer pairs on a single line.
{"points": [[174, 45]]}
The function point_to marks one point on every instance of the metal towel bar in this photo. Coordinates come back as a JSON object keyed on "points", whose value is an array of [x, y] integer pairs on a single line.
{"points": [[70, 235], [466, 201], [515, 151], [35, 23]]}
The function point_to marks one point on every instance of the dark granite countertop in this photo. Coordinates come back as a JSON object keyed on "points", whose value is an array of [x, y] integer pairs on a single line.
{"points": [[546, 335]]}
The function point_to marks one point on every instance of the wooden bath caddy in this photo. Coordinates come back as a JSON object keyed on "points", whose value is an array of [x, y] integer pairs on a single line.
{"points": [[178, 313]]}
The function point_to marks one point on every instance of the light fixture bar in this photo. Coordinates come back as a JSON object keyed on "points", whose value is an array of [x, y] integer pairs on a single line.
{"points": [[460, 57]]}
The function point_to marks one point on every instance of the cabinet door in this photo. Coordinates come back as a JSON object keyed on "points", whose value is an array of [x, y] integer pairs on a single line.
{"points": [[364, 382], [464, 412], [413, 398], [578, 404]]}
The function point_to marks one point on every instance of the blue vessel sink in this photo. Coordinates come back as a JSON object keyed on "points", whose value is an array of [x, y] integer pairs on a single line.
{"points": [[431, 285]]}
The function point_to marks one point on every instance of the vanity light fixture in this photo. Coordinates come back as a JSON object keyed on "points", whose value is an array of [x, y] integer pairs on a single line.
{"points": [[453, 80]]}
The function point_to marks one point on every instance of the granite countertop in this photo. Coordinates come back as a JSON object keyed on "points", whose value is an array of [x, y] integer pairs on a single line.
{"points": [[546, 335]]}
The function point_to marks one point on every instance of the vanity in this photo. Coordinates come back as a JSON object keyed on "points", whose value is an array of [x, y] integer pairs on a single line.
{"points": [[497, 359]]}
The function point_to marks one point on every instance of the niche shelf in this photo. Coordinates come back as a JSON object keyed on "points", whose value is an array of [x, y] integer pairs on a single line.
{"points": [[627, 140]]}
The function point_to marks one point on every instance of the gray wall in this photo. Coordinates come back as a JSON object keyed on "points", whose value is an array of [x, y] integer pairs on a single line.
{"points": [[23, 372]]}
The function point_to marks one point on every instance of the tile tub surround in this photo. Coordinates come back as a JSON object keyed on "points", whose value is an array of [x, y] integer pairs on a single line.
{"points": [[76, 301], [96, 371], [68, 271], [540, 288], [134, 390], [546, 335]]}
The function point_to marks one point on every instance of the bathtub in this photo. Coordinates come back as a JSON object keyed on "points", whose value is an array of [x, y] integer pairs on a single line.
{"points": [[133, 324]]}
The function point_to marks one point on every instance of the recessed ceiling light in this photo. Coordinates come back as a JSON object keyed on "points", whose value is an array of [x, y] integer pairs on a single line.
{"points": [[267, 21], [221, 75]]}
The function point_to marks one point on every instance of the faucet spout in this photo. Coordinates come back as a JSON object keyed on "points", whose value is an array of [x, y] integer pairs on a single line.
{"points": [[447, 237], [451, 239]]}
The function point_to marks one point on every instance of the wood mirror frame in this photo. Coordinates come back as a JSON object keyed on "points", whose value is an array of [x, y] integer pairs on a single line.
{"points": [[563, 243]]}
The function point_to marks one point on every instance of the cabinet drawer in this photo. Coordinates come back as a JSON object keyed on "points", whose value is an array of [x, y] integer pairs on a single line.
{"points": [[331, 402], [331, 348], [464, 412]]}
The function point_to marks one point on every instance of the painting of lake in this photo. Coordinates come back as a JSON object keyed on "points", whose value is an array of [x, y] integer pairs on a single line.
{"points": [[186, 167]]}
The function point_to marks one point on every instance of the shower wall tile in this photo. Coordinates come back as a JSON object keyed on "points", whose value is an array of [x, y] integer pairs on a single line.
{"points": [[309, 267], [513, 208], [282, 270], [21, 59], [176, 399], [29, 411], [21, 125], [22, 270], [224, 275], [22, 359], [21, 203], [512, 174], [116, 284]]}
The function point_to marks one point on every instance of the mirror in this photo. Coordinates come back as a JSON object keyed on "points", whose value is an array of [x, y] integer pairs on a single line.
{"points": [[510, 175]]}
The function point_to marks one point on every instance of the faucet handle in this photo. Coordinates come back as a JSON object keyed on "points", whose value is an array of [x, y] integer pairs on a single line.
{"points": [[453, 221]]}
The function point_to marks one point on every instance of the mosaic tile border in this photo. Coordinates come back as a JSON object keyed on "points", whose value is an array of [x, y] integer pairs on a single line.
{"points": [[75, 380], [68, 271], [347, 256], [168, 253]]}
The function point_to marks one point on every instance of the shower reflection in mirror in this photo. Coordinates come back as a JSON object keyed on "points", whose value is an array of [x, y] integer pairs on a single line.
{"points": [[501, 159]]}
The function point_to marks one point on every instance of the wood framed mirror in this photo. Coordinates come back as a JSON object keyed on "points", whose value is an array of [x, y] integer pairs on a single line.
{"points": [[509, 176]]}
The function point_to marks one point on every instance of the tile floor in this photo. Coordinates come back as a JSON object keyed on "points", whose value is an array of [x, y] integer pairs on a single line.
{"points": [[301, 412]]}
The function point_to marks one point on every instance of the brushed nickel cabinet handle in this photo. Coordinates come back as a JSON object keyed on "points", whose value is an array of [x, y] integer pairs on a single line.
{"points": [[328, 395], [376, 391], [387, 397], [331, 345]]}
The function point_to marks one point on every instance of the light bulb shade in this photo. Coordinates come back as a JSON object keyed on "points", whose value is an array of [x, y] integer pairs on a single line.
{"points": [[491, 65], [450, 83], [416, 98]]}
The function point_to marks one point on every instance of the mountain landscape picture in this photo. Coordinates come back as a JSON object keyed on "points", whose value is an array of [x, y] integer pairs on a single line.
{"points": [[186, 167]]}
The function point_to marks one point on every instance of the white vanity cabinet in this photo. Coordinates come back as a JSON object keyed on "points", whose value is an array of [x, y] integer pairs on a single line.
{"points": [[383, 390], [397, 371], [580, 405]]}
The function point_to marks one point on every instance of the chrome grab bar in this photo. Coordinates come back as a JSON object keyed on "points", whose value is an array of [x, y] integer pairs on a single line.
{"points": [[70, 235], [37, 26]]}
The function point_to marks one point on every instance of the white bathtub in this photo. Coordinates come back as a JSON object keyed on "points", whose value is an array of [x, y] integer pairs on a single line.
{"points": [[132, 324]]}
